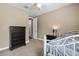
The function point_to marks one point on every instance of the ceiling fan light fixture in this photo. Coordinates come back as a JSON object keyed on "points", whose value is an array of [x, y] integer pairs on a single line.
{"points": [[39, 5]]}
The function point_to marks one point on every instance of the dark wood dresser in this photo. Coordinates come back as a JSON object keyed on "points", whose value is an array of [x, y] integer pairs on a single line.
{"points": [[17, 37]]}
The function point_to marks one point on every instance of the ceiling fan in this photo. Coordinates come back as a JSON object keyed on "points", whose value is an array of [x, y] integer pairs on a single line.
{"points": [[35, 6]]}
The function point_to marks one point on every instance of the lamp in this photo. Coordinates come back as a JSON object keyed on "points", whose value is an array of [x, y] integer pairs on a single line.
{"points": [[54, 30]]}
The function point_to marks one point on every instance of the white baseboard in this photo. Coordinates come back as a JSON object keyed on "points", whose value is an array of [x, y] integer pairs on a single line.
{"points": [[40, 39], [27, 41], [5, 48]]}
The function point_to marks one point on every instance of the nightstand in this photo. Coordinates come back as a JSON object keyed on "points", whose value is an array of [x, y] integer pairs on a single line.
{"points": [[50, 37]]}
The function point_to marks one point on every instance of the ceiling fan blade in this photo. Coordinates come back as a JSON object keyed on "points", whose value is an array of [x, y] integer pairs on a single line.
{"points": [[26, 7], [33, 7]]}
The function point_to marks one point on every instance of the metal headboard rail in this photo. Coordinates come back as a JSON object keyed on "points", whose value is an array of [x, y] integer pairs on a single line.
{"points": [[51, 46]]}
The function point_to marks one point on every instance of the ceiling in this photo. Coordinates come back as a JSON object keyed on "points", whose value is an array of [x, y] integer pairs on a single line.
{"points": [[33, 12]]}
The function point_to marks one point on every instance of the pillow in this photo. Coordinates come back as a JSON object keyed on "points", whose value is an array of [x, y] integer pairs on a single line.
{"points": [[70, 33]]}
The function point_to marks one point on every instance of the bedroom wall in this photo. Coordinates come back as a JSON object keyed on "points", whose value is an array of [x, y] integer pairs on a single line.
{"points": [[77, 11], [10, 16], [66, 18]]}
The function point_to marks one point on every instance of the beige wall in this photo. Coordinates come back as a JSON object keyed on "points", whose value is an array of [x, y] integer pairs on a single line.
{"points": [[66, 18], [10, 16]]}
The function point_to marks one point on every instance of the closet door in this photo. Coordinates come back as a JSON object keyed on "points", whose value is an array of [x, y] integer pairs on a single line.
{"points": [[17, 36]]}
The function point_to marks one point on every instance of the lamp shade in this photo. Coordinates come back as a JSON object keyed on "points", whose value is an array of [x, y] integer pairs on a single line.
{"points": [[55, 27]]}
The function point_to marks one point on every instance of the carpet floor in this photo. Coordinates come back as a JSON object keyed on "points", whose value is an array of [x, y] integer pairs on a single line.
{"points": [[33, 48]]}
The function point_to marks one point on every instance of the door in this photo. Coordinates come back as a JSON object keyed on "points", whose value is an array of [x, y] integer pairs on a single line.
{"points": [[35, 28], [30, 28]]}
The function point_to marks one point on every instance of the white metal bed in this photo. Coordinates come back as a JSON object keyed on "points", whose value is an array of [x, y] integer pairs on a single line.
{"points": [[68, 46]]}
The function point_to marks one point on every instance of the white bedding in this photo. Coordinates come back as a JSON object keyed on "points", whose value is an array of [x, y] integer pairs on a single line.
{"points": [[56, 47]]}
